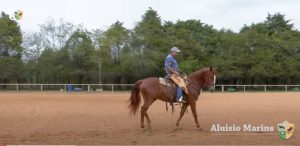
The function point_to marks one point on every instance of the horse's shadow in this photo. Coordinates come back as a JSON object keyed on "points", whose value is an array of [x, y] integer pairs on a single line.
{"points": [[182, 129], [149, 130]]}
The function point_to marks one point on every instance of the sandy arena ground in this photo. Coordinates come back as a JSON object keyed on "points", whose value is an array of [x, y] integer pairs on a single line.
{"points": [[94, 118]]}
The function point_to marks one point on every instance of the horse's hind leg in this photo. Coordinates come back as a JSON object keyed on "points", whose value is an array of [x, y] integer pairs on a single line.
{"points": [[144, 113], [142, 116], [183, 109], [144, 109], [148, 119]]}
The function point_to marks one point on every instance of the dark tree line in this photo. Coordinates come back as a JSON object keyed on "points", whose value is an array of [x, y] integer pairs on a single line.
{"points": [[60, 52]]}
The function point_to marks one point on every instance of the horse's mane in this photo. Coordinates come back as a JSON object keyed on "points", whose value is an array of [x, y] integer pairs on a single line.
{"points": [[198, 72]]}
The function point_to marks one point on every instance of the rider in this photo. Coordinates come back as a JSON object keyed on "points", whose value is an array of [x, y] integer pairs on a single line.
{"points": [[171, 67]]}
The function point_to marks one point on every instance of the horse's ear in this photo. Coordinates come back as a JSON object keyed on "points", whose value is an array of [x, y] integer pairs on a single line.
{"points": [[211, 68]]}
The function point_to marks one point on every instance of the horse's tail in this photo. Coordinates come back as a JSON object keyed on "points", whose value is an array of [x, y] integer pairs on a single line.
{"points": [[135, 98]]}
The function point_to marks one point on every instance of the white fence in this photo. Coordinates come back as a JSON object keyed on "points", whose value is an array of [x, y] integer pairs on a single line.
{"points": [[264, 88], [128, 87], [64, 87]]}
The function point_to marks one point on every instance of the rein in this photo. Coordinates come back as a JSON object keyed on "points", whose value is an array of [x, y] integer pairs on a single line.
{"points": [[189, 82], [191, 85]]}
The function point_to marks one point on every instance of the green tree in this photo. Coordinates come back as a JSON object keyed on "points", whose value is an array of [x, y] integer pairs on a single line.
{"points": [[11, 64], [81, 54], [149, 43], [195, 39], [261, 53], [112, 48], [276, 24]]}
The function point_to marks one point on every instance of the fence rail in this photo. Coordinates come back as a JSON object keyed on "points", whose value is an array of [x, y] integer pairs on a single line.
{"points": [[264, 87], [64, 87], [127, 87]]}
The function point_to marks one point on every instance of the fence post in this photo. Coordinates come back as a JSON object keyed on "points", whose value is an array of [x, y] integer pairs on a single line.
{"points": [[89, 88], [17, 87], [65, 87], [222, 88], [41, 87], [285, 88], [112, 87], [265, 88], [244, 88]]}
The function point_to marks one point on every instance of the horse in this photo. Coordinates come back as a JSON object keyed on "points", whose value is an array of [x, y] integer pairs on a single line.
{"points": [[151, 90]]}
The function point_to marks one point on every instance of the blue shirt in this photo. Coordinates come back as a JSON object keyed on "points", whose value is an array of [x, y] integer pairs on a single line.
{"points": [[170, 62]]}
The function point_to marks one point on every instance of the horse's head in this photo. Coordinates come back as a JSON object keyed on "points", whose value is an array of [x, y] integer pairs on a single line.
{"points": [[205, 77], [210, 79]]}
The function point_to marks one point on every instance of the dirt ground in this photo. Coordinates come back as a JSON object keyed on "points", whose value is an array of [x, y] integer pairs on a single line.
{"points": [[103, 118]]}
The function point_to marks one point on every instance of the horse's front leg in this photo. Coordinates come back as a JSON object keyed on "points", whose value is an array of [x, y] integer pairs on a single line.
{"points": [[193, 108], [183, 109]]}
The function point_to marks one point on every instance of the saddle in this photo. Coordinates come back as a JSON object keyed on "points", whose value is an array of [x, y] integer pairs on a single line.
{"points": [[166, 82], [170, 85]]}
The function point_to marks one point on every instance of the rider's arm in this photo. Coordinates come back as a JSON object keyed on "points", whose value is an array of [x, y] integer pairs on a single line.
{"points": [[169, 63], [172, 71]]}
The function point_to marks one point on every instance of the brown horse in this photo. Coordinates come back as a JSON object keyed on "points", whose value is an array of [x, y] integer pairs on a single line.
{"points": [[151, 89]]}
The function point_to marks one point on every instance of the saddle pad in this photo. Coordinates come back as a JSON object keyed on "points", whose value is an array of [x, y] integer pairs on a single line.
{"points": [[163, 81]]}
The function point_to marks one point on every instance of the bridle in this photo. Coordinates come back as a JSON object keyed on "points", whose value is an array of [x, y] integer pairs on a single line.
{"points": [[214, 83], [190, 84]]}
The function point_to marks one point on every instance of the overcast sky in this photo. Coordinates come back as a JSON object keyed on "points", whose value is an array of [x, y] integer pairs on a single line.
{"points": [[229, 14]]}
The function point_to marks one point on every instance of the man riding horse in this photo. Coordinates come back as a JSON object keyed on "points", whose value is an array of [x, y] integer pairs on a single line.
{"points": [[150, 89], [171, 67]]}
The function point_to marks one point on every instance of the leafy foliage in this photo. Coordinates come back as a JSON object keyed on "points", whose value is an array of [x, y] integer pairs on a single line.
{"points": [[262, 53]]}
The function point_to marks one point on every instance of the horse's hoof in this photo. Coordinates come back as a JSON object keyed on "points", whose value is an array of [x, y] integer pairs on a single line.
{"points": [[178, 128], [142, 126], [198, 127], [149, 127]]}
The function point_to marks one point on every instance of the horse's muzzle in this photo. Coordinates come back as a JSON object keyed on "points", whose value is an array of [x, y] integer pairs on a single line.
{"points": [[212, 88]]}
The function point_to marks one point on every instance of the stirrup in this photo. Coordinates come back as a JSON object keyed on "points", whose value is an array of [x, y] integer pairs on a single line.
{"points": [[181, 100]]}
